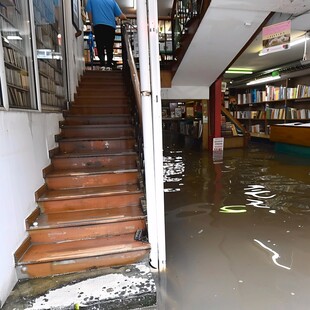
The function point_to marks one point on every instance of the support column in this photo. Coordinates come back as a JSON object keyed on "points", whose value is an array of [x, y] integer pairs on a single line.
{"points": [[215, 111], [147, 122], [157, 131]]}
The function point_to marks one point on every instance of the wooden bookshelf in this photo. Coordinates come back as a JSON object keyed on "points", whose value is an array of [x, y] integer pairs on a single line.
{"points": [[15, 51], [183, 117], [259, 109], [50, 62]]}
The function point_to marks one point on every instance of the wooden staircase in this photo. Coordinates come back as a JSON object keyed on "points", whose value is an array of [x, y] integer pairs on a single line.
{"points": [[89, 208]]}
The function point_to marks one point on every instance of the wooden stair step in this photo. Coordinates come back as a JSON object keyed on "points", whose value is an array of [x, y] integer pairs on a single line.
{"points": [[99, 88], [81, 225], [66, 219], [100, 83], [85, 145], [101, 104], [111, 93], [102, 73], [105, 102], [90, 171], [42, 260], [91, 198], [88, 192], [94, 159], [105, 75], [110, 130], [82, 248], [104, 119], [99, 109], [91, 177], [90, 205]]}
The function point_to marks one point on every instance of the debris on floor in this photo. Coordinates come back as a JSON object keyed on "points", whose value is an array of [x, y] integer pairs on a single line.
{"points": [[128, 287]]}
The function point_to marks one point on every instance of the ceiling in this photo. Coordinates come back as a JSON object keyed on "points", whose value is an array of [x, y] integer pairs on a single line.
{"points": [[226, 28], [164, 6]]}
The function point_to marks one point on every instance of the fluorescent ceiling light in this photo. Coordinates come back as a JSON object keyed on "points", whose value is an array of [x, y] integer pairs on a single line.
{"points": [[16, 38], [264, 80], [238, 71]]}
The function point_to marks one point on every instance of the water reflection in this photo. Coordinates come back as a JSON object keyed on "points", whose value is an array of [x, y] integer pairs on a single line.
{"points": [[275, 255], [234, 230], [173, 170]]}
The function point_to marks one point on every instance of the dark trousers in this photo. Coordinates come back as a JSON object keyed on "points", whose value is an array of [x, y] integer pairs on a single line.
{"points": [[104, 36]]}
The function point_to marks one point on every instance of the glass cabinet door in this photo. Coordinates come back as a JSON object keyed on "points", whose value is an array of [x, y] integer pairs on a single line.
{"points": [[48, 19], [17, 52]]}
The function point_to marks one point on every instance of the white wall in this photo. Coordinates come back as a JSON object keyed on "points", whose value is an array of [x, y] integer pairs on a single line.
{"points": [[185, 92], [25, 141]]}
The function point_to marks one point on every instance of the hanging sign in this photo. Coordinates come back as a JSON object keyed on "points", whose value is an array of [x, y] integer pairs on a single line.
{"points": [[276, 37]]}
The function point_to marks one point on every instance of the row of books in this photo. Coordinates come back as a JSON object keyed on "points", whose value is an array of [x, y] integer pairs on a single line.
{"points": [[293, 113], [48, 99], [59, 78], [18, 98], [17, 78], [256, 128], [228, 129], [301, 91], [47, 84], [46, 69], [274, 93], [14, 58], [275, 113], [271, 113], [60, 91]]}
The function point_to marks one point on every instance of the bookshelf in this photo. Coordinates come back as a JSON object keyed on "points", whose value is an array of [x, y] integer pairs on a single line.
{"points": [[260, 108], [16, 54], [48, 25], [165, 41], [183, 117]]}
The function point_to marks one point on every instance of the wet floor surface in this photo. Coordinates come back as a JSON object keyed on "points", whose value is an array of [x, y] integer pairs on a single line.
{"points": [[238, 231]]}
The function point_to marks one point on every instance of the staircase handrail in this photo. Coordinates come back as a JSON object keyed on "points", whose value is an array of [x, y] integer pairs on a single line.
{"points": [[192, 13], [234, 121], [183, 11], [128, 60]]}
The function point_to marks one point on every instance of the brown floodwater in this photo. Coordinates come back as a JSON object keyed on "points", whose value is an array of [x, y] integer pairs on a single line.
{"points": [[237, 231]]}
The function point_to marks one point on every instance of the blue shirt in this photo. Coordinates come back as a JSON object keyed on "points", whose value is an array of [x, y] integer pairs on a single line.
{"points": [[103, 11]]}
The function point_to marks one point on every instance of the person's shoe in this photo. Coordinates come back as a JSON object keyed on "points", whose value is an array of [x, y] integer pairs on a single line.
{"points": [[108, 68], [103, 68]]}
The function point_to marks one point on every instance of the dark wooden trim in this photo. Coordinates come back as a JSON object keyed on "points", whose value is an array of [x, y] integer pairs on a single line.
{"points": [[40, 191], [53, 152], [32, 217], [47, 170], [188, 37], [58, 137], [22, 249]]}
